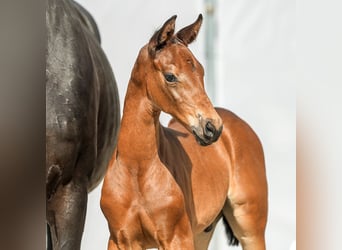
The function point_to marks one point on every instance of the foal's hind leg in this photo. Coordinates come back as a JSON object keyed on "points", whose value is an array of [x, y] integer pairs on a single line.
{"points": [[248, 221], [66, 214]]}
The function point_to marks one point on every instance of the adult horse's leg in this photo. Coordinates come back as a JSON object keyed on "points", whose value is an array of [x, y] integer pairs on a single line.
{"points": [[66, 215], [248, 221]]}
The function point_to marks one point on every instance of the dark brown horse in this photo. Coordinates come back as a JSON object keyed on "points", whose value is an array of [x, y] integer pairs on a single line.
{"points": [[82, 119], [168, 187]]}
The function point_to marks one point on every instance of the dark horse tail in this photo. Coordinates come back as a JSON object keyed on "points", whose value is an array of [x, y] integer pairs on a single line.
{"points": [[232, 240], [48, 238]]}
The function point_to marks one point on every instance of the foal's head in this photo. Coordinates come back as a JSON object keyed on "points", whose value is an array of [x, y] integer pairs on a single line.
{"points": [[174, 81]]}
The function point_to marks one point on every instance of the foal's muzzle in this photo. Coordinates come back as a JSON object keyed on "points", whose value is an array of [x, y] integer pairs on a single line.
{"points": [[207, 133]]}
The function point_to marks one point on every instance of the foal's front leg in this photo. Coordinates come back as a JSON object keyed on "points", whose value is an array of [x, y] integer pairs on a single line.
{"points": [[123, 245], [181, 238], [111, 244]]}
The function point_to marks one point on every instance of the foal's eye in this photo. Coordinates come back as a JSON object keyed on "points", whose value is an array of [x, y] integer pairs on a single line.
{"points": [[170, 77]]}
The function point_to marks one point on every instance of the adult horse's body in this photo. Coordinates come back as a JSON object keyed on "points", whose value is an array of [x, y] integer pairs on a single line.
{"points": [[82, 119], [164, 190]]}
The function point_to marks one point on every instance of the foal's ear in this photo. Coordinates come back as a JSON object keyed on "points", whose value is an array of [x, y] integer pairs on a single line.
{"points": [[188, 34], [160, 37]]}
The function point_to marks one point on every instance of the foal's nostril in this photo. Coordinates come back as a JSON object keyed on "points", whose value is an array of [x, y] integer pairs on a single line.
{"points": [[209, 130]]}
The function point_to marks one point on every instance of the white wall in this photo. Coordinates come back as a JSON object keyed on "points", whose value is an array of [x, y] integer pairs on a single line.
{"points": [[255, 79]]}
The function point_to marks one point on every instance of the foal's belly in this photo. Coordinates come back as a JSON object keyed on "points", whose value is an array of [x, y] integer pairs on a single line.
{"points": [[209, 181], [209, 178]]}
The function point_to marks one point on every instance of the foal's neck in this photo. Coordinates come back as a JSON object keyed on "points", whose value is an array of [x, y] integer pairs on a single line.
{"points": [[139, 132]]}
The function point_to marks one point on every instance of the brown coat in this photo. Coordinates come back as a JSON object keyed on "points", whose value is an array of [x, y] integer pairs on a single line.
{"points": [[167, 187]]}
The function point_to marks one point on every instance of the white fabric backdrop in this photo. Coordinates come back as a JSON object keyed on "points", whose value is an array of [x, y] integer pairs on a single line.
{"points": [[255, 79]]}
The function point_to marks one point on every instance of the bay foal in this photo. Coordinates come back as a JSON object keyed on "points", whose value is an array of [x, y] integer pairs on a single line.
{"points": [[161, 188]]}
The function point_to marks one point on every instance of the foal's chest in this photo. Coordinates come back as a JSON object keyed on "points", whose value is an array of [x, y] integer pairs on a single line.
{"points": [[146, 204]]}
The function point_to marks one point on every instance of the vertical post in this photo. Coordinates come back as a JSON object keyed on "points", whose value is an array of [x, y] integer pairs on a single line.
{"points": [[210, 45], [210, 68]]}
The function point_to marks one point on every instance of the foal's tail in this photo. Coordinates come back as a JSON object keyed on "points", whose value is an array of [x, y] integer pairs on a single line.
{"points": [[232, 240]]}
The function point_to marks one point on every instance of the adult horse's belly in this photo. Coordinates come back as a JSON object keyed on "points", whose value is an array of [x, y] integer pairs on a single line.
{"points": [[208, 171], [66, 134], [82, 107]]}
